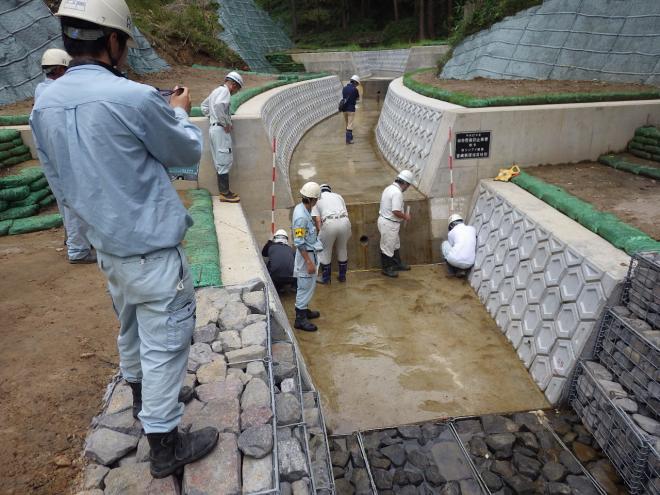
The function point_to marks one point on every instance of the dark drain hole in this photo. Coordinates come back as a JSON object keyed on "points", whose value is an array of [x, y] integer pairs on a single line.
{"points": [[364, 240]]}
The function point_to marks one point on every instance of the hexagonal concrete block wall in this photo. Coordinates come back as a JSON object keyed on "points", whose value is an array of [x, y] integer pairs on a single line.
{"points": [[543, 294]]}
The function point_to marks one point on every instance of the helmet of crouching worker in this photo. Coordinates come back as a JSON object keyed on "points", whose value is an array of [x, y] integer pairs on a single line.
{"points": [[311, 190], [356, 79], [281, 237], [406, 176], [102, 16], [454, 220], [235, 77], [326, 188], [55, 57]]}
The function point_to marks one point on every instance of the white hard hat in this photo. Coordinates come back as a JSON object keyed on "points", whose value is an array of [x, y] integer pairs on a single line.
{"points": [[281, 237], [326, 188], [236, 77], [311, 190], [455, 218], [355, 78], [406, 176], [55, 56], [113, 14]]}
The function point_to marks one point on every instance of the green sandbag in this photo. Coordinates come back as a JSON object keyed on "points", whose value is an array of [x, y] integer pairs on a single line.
{"points": [[649, 132], [6, 146], [4, 205], [36, 223], [7, 135], [637, 245], [205, 274], [640, 154], [9, 120], [15, 160], [17, 142], [14, 193], [32, 199], [48, 200], [645, 140], [618, 233], [20, 150], [4, 226], [19, 212], [5, 154], [26, 177], [40, 183]]}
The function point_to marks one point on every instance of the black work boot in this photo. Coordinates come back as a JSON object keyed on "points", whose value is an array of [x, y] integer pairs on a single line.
{"points": [[400, 265], [226, 195], [312, 314], [343, 268], [185, 395], [302, 323], [173, 450], [388, 266], [326, 272]]}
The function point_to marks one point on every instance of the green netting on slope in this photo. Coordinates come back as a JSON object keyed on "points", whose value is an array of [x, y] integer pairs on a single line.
{"points": [[635, 168], [201, 242], [36, 223], [14, 193], [606, 225], [28, 176]]}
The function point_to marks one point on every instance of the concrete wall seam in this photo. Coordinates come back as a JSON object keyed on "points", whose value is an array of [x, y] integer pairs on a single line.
{"points": [[545, 295]]}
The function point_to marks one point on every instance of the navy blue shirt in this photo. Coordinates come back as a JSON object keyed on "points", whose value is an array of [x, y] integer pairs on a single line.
{"points": [[352, 95]]}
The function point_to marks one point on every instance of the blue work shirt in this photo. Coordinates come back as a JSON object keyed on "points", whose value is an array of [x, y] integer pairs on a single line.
{"points": [[41, 86], [104, 143], [352, 95], [305, 238]]}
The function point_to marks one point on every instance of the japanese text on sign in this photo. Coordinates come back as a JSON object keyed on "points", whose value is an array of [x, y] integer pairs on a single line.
{"points": [[472, 145]]}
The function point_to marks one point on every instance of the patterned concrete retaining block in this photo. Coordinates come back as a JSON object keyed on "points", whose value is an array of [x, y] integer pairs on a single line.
{"points": [[543, 277], [380, 63]]}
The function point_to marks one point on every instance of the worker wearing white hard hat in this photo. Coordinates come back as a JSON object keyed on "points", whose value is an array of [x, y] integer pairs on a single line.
{"points": [[280, 258], [350, 95], [334, 233], [307, 244], [390, 216], [103, 142], [54, 63], [217, 108], [459, 250]]}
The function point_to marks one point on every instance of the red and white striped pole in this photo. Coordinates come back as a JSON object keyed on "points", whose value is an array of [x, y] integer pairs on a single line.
{"points": [[451, 171], [272, 197]]}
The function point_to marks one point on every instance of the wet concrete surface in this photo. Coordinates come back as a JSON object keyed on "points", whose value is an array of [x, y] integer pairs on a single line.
{"points": [[416, 348], [357, 171]]}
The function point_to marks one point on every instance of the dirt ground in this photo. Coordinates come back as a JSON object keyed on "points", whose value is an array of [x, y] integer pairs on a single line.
{"points": [[58, 350], [633, 198], [487, 88], [200, 81]]}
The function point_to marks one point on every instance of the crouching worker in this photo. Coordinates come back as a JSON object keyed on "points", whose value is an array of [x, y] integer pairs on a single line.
{"points": [[103, 142], [280, 262], [460, 247], [305, 239]]}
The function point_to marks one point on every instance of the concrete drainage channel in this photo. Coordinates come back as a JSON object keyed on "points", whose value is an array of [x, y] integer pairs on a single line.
{"points": [[246, 382]]}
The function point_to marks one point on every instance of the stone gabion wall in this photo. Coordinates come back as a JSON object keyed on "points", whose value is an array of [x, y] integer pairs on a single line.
{"points": [[543, 294], [235, 376], [406, 131], [293, 111]]}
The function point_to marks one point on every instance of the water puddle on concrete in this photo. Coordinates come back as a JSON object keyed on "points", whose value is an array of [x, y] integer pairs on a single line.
{"points": [[420, 347]]}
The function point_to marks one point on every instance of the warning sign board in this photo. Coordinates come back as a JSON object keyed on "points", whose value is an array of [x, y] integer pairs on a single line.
{"points": [[471, 145]]}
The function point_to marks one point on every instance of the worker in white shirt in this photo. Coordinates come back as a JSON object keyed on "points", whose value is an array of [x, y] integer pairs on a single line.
{"points": [[391, 214], [335, 231], [459, 249], [216, 108]]}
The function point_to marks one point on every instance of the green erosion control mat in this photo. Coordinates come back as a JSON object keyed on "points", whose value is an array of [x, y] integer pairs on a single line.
{"points": [[606, 225], [201, 241], [470, 101]]}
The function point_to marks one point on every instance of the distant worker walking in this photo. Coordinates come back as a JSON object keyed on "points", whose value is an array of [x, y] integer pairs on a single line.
{"points": [[335, 231], [390, 216], [459, 250], [281, 258], [54, 63], [306, 264], [217, 108], [350, 95], [104, 142]]}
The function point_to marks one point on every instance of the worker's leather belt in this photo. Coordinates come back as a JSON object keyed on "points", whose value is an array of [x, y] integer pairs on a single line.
{"points": [[389, 219], [335, 216]]}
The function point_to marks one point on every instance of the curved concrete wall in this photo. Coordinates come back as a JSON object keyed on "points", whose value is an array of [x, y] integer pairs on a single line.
{"points": [[544, 278]]}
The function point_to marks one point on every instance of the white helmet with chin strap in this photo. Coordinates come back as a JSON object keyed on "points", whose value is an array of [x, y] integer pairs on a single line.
{"points": [[310, 190], [281, 237], [454, 220], [235, 77], [355, 78], [406, 176], [111, 14], [55, 56]]}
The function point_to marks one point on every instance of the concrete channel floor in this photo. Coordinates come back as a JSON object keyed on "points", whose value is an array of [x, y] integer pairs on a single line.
{"points": [[397, 351]]}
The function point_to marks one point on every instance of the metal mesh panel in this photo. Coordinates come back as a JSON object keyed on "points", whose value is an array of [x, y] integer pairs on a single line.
{"points": [[642, 292], [251, 33], [609, 40]]}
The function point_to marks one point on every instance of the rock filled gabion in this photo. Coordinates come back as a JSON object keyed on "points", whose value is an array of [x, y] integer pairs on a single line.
{"points": [[230, 388], [348, 466]]}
